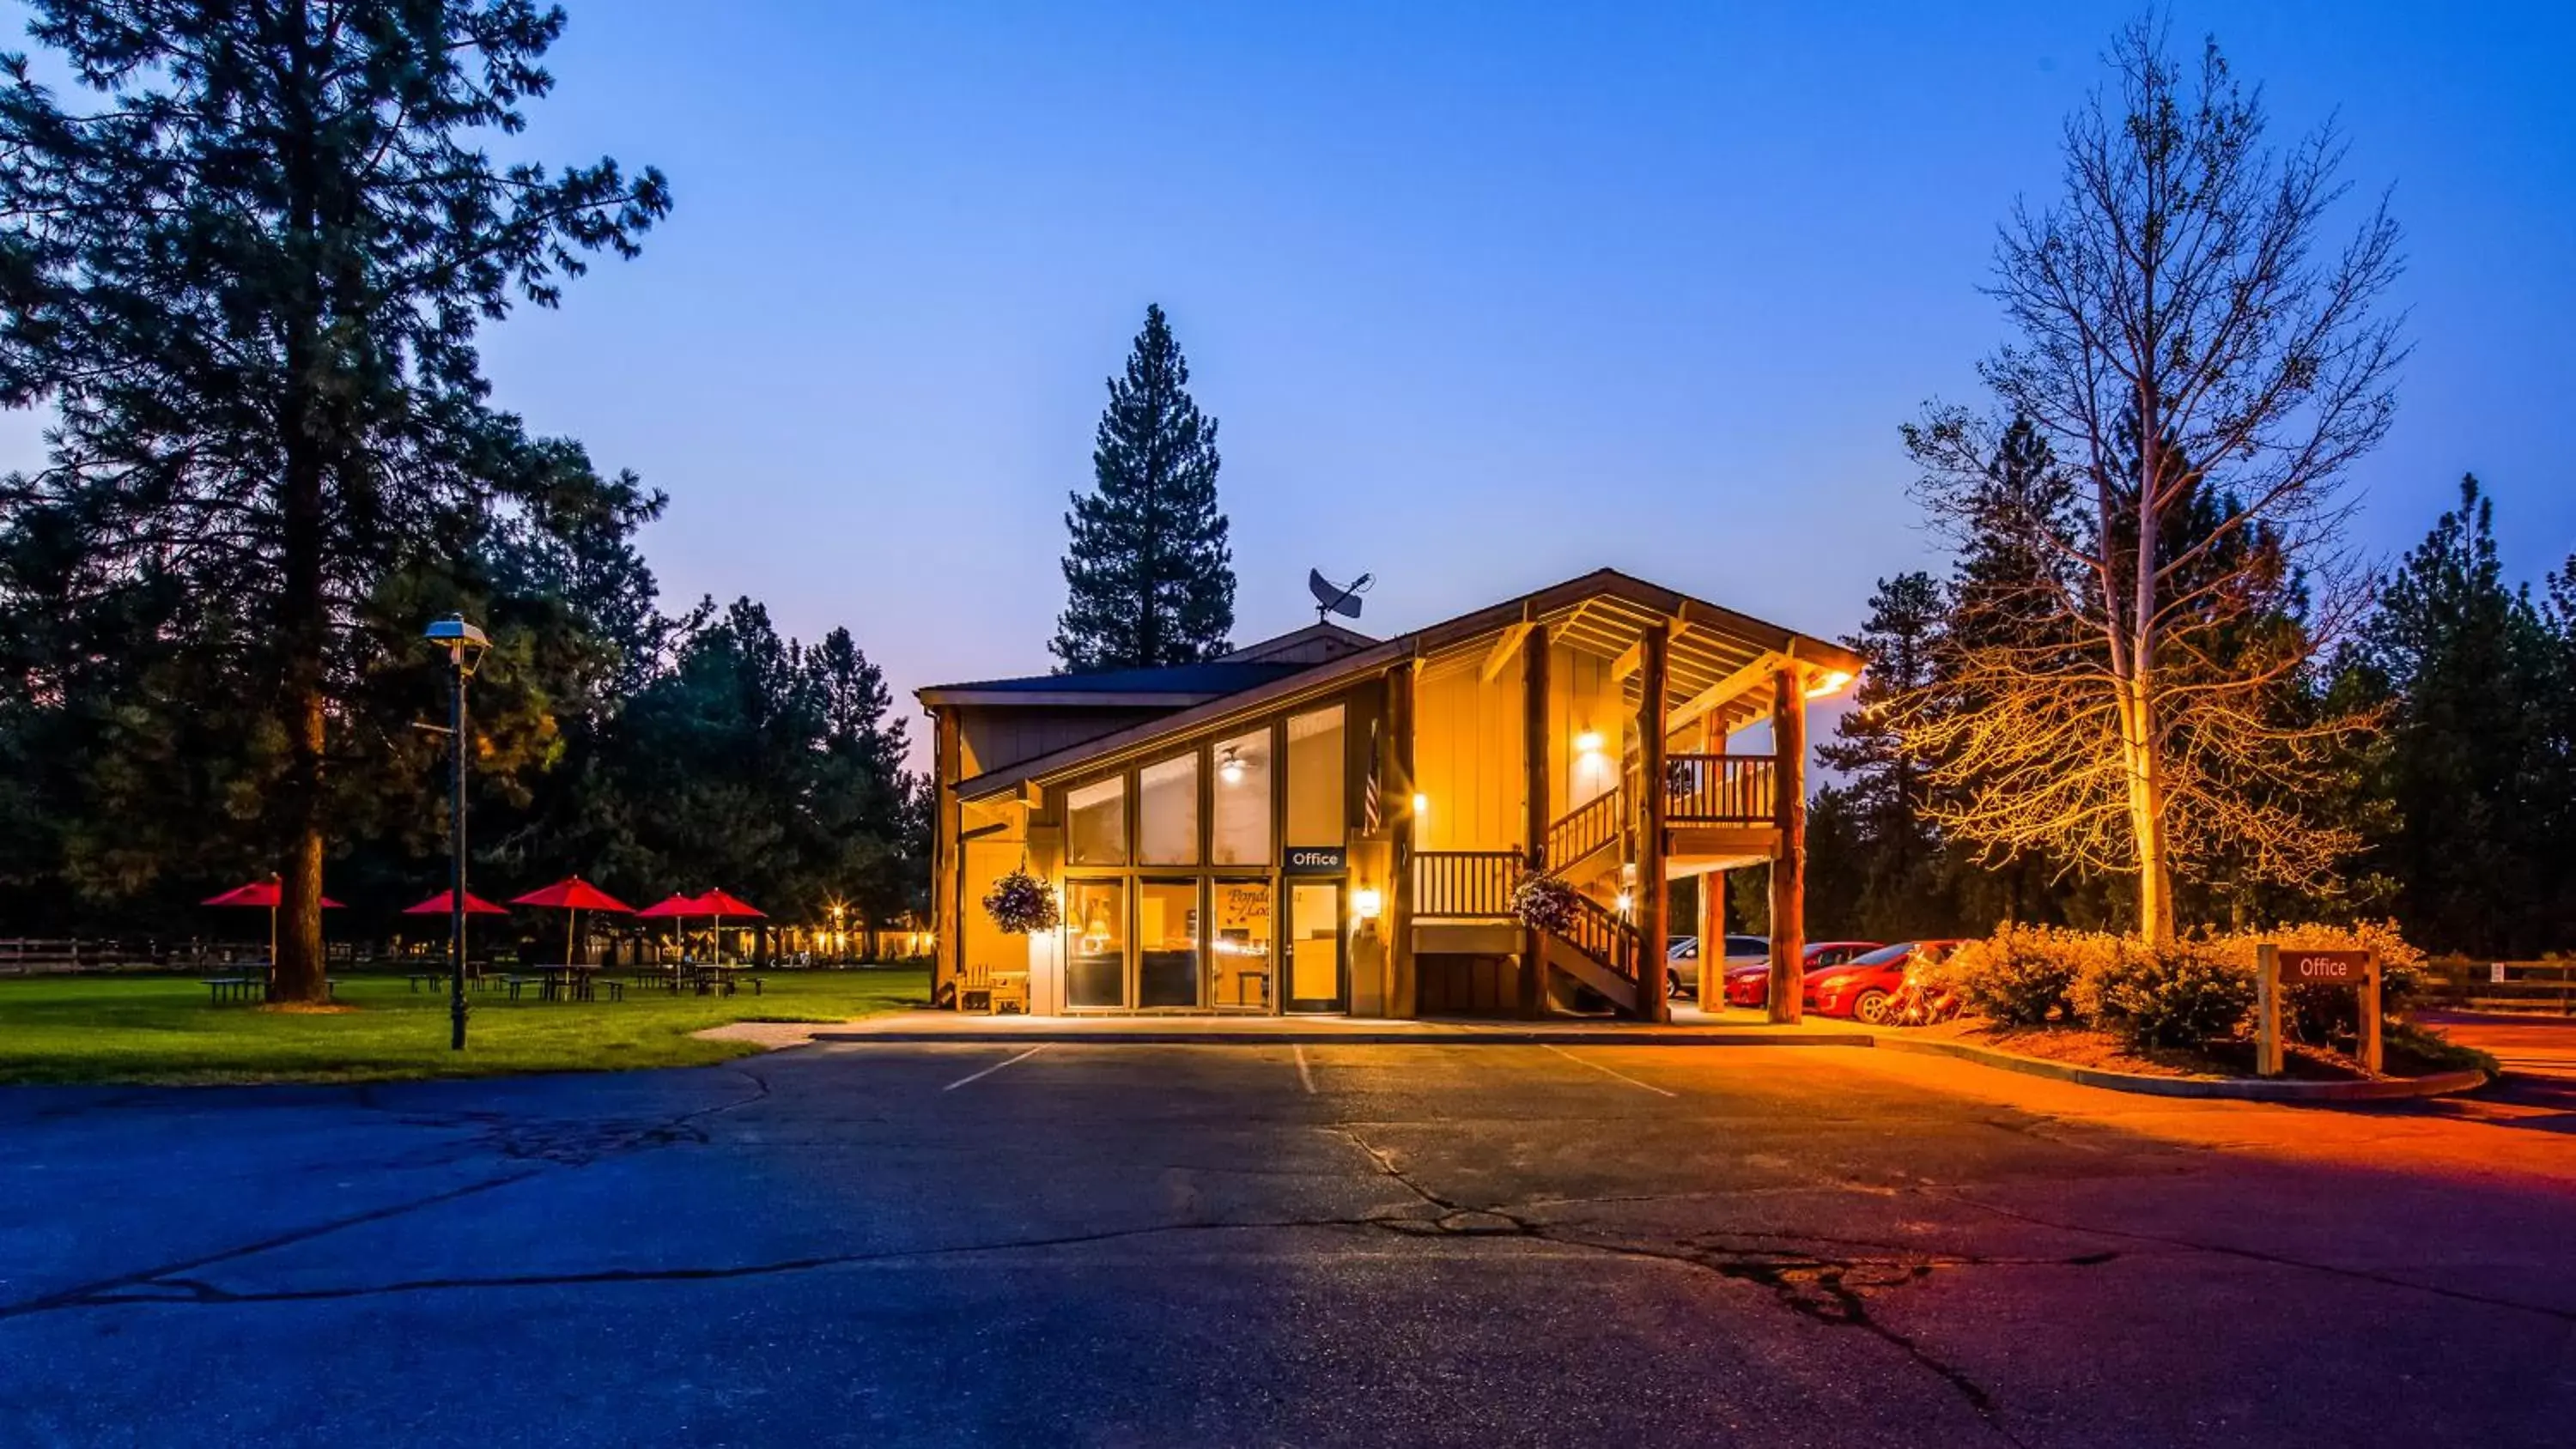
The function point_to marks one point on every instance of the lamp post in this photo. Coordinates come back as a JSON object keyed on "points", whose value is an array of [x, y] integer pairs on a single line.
{"points": [[465, 646]]}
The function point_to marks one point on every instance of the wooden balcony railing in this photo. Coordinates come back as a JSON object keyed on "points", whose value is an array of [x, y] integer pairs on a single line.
{"points": [[1600, 933], [1464, 884], [1719, 789], [1584, 829]]}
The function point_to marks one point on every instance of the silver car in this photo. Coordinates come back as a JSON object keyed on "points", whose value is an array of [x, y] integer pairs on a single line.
{"points": [[1681, 961]]}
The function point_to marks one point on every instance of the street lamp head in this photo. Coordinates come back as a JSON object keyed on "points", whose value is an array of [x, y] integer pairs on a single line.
{"points": [[465, 642]]}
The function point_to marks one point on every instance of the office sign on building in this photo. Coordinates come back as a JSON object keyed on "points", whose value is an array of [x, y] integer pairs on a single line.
{"points": [[1317, 859]]}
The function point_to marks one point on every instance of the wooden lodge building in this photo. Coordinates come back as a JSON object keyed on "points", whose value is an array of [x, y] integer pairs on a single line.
{"points": [[1324, 822]]}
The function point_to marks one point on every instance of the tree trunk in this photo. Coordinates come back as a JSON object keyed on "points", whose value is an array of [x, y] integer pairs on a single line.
{"points": [[2147, 811]]}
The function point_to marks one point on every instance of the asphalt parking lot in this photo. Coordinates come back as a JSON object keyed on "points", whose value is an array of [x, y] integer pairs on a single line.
{"points": [[1277, 1244]]}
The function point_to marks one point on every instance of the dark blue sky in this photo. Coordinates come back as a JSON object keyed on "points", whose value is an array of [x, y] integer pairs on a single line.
{"points": [[1474, 289]]}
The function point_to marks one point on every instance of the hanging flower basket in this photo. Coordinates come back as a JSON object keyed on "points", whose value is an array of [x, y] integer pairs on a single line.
{"points": [[1021, 904], [1543, 902]]}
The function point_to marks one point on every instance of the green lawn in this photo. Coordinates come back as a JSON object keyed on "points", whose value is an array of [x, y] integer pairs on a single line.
{"points": [[161, 1029]]}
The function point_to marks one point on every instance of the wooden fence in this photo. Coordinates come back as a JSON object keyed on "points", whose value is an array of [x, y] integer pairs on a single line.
{"points": [[2501, 985]]}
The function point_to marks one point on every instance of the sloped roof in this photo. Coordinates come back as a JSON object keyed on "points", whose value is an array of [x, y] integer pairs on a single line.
{"points": [[1213, 678], [1721, 650]]}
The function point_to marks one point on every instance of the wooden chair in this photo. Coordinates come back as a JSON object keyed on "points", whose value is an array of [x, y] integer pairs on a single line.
{"points": [[1007, 989]]}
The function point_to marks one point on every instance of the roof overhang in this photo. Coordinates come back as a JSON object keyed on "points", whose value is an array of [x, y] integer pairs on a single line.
{"points": [[1719, 663], [1065, 699]]}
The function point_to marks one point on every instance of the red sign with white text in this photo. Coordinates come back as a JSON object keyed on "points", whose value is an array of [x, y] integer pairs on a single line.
{"points": [[2324, 968]]}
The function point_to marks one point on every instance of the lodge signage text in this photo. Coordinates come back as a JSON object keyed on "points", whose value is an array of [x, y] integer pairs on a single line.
{"points": [[1316, 859], [2324, 968]]}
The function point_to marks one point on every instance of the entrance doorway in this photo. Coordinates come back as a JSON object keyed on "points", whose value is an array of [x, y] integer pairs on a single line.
{"points": [[1315, 974]]}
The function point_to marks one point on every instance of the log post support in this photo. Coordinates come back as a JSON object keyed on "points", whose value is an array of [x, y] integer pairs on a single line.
{"points": [[947, 922], [1396, 790], [1653, 893], [1789, 860], [1541, 807]]}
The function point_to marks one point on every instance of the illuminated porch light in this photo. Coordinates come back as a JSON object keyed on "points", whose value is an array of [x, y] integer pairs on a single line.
{"points": [[1625, 901], [1588, 743], [1832, 681], [1421, 804], [1367, 904]]}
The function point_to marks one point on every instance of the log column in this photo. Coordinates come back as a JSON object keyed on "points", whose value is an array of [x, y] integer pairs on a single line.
{"points": [[1789, 860], [1396, 799], [947, 933], [1653, 896], [1541, 801]]}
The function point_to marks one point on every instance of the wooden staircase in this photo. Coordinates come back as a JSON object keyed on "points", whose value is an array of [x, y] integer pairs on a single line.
{"points": [[1597, 947]]}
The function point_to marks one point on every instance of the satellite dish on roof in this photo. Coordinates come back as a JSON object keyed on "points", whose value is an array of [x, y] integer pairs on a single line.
{"points": [[1333, 598]]}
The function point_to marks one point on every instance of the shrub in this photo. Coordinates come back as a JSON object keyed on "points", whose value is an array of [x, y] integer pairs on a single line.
{"points": [[2190, 994], [2021, 975]]}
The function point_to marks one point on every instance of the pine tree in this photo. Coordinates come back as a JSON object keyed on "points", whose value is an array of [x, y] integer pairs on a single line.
{"points": [[2467, 662], [1895, 847], [248, 273], [1149, 577]]}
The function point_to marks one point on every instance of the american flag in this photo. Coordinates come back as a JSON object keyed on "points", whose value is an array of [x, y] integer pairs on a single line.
{"points": [[1369, 804]]}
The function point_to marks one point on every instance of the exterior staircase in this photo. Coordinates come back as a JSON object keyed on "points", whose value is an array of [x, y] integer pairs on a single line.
{"points": [[1598, 947]]}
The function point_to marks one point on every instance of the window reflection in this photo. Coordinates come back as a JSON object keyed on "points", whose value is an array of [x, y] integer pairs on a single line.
{"points": [[1167, 941], [1096, 828], [1167, 812]]}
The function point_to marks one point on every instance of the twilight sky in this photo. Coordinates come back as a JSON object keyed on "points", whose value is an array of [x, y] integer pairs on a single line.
{"points": [[1473, 290]]}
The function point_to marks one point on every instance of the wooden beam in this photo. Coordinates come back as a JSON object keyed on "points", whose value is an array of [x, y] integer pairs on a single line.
{"points": [[1653, 892], [1726, 691], [1634, 657], [1789, 866], [1536, 750], [1504, 648]]}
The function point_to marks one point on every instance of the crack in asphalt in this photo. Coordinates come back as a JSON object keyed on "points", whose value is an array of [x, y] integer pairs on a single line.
{"points": [[1832, 1291], [543, 1148], [2257, 1255]]}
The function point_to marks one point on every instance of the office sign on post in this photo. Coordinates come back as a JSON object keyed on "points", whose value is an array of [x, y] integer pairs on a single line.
{"points": [[2278, 968]]}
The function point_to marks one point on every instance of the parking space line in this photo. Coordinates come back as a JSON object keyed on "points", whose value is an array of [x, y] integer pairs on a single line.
{"points": [[1607, 1072], [995, 1067], [1303, 1075]]}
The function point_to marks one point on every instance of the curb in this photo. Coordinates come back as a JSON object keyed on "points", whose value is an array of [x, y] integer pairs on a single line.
{"points": [[1502, 1036], [2247, 1089]]}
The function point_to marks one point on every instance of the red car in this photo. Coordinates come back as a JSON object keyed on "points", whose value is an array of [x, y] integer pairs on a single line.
{"points": [[1863, 987], [1751, 985]]}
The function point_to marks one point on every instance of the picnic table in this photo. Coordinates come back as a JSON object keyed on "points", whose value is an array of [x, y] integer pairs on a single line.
{"points": [[708, 979], [574, 983]]}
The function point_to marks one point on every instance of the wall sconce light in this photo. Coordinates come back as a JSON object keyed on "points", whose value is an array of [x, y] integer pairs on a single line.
{"points": [[1832, 681], [1367, 904], [1421, 803], [1626, 900], [1588, 743]]}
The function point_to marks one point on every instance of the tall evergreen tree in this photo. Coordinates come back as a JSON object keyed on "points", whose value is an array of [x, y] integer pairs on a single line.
{"points": [[248, 272], [1882, 810], [2468, 664], [1148, 575]]}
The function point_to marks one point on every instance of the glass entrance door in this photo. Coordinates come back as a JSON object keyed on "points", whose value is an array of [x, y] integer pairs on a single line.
{"points": [[1315, 946], [1239, 974]]}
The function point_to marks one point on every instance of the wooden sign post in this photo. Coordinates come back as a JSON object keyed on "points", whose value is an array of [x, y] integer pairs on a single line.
{"points": [[2277, 970]]}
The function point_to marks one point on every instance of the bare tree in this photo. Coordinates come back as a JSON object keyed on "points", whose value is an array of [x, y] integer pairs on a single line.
{"points": [[2204, 375]]}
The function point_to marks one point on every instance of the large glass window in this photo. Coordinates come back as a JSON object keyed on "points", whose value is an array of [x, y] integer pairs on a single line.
{"points": [[1167, 941], [1095, 928], [1167, 812], [1096, 834], [1318, 808], [1239, 948], [1241, 835]]}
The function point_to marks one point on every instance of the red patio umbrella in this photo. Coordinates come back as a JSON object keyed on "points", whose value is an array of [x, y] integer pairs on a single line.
{"points": [[576, 895], [719, 905], [438, 905], [266, 894], [671, 908]]}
